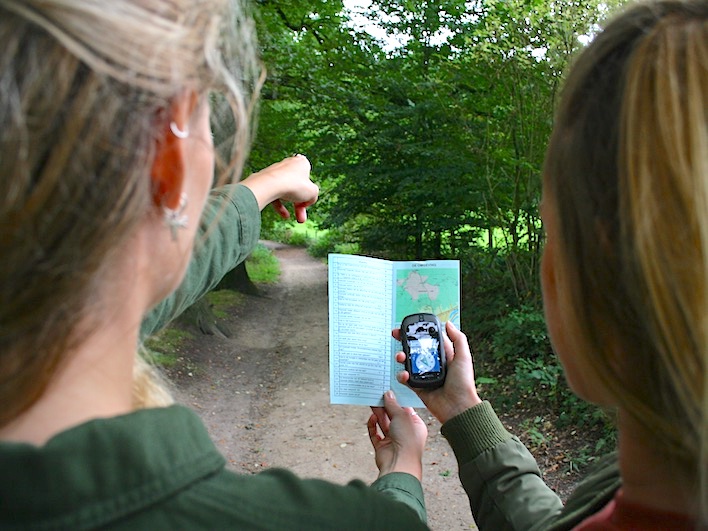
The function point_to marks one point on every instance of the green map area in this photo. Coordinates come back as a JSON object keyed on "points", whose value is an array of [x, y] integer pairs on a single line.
{"points": [[434, 290]]}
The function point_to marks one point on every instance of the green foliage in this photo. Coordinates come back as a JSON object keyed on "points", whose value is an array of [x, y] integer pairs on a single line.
{"points": [[538, 377], [293, 233], [433, 149], [574, 411], [489, 295], [287, 233], [512, 344], [521, 333], [534, 430], [163, 348], [332, 241], [485, 380], [262, 266], [584, 456], [221, 301], [423, 148]]}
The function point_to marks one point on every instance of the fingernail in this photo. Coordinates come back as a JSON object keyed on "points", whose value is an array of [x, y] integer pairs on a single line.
{"points": [[389, 394]]}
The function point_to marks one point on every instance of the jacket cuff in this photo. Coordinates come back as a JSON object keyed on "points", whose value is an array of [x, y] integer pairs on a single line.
{"points": [[404, 488], [474, 431]]}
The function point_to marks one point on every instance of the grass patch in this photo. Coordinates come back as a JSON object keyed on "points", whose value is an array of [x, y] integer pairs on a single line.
{"points": [[303, 234], [221, 301], [292, 233], [262, 266], [163, 348]]}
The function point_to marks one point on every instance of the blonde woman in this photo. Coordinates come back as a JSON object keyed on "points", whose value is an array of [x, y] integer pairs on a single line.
{"points": [[107, 166], [625, 289]]}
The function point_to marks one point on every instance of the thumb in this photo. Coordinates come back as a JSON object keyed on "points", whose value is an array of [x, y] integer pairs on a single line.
{"points": [[301, 212], [390, 403]]}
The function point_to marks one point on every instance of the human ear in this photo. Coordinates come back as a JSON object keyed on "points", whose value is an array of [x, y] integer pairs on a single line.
{"points": [[168, 168]]}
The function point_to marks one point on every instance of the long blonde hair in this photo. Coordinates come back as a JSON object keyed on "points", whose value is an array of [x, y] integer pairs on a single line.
{"points": [[85, 91], [627, 167]]}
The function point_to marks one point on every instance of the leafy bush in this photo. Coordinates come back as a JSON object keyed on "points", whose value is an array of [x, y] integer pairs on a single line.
{"points": [[522, 334], [331, 241], [487, 295], [298, 238], [262, 266], [538, 377], [288, 233], [321, 247], [520, 353]]}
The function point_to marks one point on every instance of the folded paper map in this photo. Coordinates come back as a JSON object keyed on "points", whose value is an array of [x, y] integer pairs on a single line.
{"points": [[368, 297]]}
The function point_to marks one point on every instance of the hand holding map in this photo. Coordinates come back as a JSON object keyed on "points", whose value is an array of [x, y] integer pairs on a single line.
{"points": [[368, 297]]}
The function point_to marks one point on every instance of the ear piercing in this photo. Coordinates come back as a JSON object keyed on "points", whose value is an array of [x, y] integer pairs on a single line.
{"points": [[177, 131], [176, 218]]}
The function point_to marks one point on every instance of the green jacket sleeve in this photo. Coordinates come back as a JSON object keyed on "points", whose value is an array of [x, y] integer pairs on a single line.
{"points": [[504, 484], [501, 477], [228, 232], [404, 488]]}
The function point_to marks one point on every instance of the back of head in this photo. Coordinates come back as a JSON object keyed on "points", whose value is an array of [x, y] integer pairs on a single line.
{"points": [[627, 169], [85, 91]]}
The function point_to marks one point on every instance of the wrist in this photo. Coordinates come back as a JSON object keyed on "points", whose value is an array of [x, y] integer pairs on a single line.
{"points": [[262, 188], [408, 460], [460, 405]]}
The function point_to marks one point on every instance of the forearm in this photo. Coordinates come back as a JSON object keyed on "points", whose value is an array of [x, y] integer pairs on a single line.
{"points": [[228, 232], [499, 475]]}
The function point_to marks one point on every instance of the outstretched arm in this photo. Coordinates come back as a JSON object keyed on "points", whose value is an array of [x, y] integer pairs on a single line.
{"points": [[229, 230]]}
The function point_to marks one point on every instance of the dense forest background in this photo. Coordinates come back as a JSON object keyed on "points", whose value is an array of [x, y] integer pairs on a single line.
{"points": [[428, 142]]}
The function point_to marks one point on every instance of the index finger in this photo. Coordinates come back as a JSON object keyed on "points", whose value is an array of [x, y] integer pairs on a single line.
{"points": [[280, 209], [382, 418]]}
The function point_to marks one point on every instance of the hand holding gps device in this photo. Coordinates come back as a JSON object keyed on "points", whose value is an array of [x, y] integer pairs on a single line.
{"points": [[421, 337]]}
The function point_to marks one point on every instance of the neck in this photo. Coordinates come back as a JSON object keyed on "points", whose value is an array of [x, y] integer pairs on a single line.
{"points": [[649, 476], [94, 380]]}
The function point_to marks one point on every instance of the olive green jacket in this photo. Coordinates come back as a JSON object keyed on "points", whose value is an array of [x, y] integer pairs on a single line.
{"points": [[504, 484], [157, 469]]}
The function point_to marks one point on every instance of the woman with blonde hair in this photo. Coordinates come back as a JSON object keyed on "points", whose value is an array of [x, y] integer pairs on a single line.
{"points": [[625, 288], [107, 166]]}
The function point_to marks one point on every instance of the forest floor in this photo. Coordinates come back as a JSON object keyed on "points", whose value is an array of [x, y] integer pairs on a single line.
{"points": [[264, 396]]}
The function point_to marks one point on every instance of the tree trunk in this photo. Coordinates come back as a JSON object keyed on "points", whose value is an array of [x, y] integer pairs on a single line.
{"points": [[200, 314], [237, 280]]}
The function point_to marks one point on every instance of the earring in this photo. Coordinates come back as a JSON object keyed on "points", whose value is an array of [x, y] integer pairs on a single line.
{"points": [[176, 219], [177, 131]]}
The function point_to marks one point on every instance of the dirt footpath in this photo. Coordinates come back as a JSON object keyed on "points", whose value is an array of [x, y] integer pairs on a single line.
{"points": [[264, 395]]}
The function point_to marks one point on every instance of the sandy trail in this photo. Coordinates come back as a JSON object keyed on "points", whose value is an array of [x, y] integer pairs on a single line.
{"points": [[264, 395]]}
